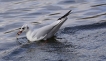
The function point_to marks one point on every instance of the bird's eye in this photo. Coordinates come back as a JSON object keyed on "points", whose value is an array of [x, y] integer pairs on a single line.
{"points": [[23, 28]]}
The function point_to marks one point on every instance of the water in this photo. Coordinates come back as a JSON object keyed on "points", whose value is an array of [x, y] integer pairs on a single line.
{"points": [[81, 38]]}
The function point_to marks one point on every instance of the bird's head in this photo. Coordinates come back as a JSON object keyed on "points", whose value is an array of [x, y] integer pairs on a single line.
{"points": [[24, 28]]}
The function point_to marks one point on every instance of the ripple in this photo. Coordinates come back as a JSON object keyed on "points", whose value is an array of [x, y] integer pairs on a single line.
{"points": [[7, 0], [81, 37], [52, 8], [67, 2], [99, 5], [94, 16]]}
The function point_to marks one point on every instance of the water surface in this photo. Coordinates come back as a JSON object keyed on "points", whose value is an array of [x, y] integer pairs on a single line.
{"points": [[81, 38]]}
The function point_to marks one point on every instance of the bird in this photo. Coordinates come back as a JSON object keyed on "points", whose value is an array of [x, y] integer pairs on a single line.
{"points": [[45, 32]]}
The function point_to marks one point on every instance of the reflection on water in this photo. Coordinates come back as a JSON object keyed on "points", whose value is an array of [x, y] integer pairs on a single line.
{"points": [[81, 38]]}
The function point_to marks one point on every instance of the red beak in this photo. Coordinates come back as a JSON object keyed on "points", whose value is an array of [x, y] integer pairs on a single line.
{"points": [[19, 32]]}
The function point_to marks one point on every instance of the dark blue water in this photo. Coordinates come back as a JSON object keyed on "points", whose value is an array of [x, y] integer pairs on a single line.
{"points": [[81, 38]]}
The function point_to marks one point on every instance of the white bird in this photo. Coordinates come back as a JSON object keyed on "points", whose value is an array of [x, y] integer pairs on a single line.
{"points": [[45, 32]]}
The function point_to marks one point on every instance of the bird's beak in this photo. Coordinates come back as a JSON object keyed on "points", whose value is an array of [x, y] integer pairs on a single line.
{"points": [[19, 32]]}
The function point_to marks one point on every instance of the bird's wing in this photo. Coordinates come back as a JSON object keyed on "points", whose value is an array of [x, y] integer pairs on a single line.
{"points": [[49, 30], [56, 28], [43, 31]]}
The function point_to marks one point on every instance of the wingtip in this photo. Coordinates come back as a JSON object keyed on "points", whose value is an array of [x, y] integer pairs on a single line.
{"points": [[70, 11], [65, 15]]}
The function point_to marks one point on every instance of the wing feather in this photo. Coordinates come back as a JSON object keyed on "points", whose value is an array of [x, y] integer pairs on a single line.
{"points": [[41, 32]]}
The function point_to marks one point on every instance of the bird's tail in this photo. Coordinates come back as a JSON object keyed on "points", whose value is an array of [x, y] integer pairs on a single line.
{"points": [[65, 15]]}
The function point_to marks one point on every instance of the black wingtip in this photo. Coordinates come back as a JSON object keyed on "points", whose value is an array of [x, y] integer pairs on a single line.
{"points": [[65, 15]]}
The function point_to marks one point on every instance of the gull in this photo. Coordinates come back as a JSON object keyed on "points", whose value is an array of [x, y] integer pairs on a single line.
{"points": [[44, 32]]}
